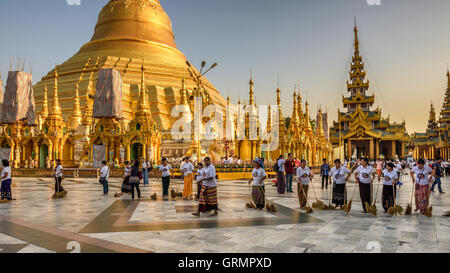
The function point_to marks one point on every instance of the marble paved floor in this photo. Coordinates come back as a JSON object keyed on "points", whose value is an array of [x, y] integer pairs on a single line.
{"points": [[87, 221]]}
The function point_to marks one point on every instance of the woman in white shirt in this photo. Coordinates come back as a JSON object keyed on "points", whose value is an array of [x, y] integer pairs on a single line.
{"points": [[188, 177], [390, 176], [199, 177], [5, 177], [340, 175], [208, 193], [422, 176], [258, 189], [365, 174], [165, 174], [304, 176]]}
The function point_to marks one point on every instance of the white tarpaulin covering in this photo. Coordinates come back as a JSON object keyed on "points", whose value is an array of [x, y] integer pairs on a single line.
{"points": [[18, 100], [108, 94], [98, 155]]}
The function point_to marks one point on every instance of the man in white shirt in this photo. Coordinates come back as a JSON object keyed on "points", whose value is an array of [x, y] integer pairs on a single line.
{"points": [[365, 174], [304, 176], [281, 179], [146, 167], [188, 173], [208, 193], [104, 175], [58, 176]]}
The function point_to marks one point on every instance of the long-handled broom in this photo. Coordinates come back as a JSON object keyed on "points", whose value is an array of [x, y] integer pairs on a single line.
{"points": [[329, 206], [429, 210], [251, 204], [319, 204], [307, 208], [348, 206], [408, 210], [396, 209], [270, 206], [373, 208]]}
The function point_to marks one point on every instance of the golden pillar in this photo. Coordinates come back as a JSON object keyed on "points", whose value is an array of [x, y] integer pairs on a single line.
{"points": [[36, 154], [128, 152], [349, 149], [393, 149], [372, 156], [402, 149]]}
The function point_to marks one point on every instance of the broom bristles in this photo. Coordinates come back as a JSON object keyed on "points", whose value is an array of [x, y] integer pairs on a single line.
{"points": [[408, 210], [446, 214], [348, 208], [429, 211]]}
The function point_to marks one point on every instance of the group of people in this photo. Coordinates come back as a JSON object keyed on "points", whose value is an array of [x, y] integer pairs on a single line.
{"points": [[425, 176]]}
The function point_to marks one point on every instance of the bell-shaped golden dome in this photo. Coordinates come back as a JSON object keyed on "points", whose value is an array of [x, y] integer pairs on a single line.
{"points": [[127, 33]]}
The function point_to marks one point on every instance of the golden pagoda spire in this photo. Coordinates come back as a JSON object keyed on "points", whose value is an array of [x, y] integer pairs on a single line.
{"points": [[183, 91], [77, 116], [319, 128], [269, 120], [432, 117], [55, 108], [299, 103], [143, 104], [307, 121], [294, 117], [44, 111], [448, 78], [356, 42], [252, 99]]}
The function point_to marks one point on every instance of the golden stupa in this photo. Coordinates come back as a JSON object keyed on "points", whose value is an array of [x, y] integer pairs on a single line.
{"points": [[127, 33]]}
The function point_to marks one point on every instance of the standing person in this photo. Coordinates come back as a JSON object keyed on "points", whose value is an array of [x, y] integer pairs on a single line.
{"points": [[135, 180], [199, 177], [304, 176], [126, 188], [290, 171], [390, 176], [5, 177], [104, 175], [340, 175], [398, 168], [379, 167], [165, 173], [145, 168], [281, 180], [188, 174], [422, 176], [365, 174], [447, 167], [439, 172], [324, 171], [58, 177], [258, 189], [208, 193]]}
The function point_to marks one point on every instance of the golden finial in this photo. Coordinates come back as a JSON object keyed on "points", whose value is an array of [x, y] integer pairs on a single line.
{"points": [[56, 108], [183, 100], [251, 99], [77, 117], [44, 111], [143, 104]]}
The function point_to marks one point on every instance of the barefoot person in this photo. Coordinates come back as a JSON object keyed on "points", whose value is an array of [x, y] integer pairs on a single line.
{"points": [[422, 176], [126, 188], [390, 176], [188, 173], [304, 176], [199, 177], [208, 193], [258, 189], [340, 175], [58, 177], [104, 175], [365, 174], [165, 171], [6, 182]]}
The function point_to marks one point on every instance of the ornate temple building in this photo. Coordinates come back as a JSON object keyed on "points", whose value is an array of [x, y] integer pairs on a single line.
{"points": [[361, 131], [436, 140]]}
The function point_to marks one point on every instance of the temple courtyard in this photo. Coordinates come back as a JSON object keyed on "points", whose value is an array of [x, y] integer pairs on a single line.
{"points": [[86, 221]]}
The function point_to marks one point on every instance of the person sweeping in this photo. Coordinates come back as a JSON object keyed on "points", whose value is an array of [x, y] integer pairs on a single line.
{"points": [[422, 177], [188, 175], [365, 174], [257, 181], [304, 176], [390, 176], [208, 193], [340, 176]]}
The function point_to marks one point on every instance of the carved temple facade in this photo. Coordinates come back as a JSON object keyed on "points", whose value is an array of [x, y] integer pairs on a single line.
{"points": [[361, 131]]}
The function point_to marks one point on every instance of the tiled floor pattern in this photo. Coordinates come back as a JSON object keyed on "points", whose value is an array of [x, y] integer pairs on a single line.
{"points": [[169, 227]]}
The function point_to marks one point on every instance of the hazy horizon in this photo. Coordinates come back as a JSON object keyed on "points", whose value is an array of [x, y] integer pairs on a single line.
{"points": [[404, 43]]}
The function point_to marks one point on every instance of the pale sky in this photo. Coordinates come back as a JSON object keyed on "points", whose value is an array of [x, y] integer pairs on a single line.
{"points": [[405, 45]]}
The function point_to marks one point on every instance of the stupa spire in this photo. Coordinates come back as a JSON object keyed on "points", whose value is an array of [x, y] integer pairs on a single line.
{"points": [[44, 111], [143, 104], [319, 128], [251, 97], [77, 116], [55, 108]]}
